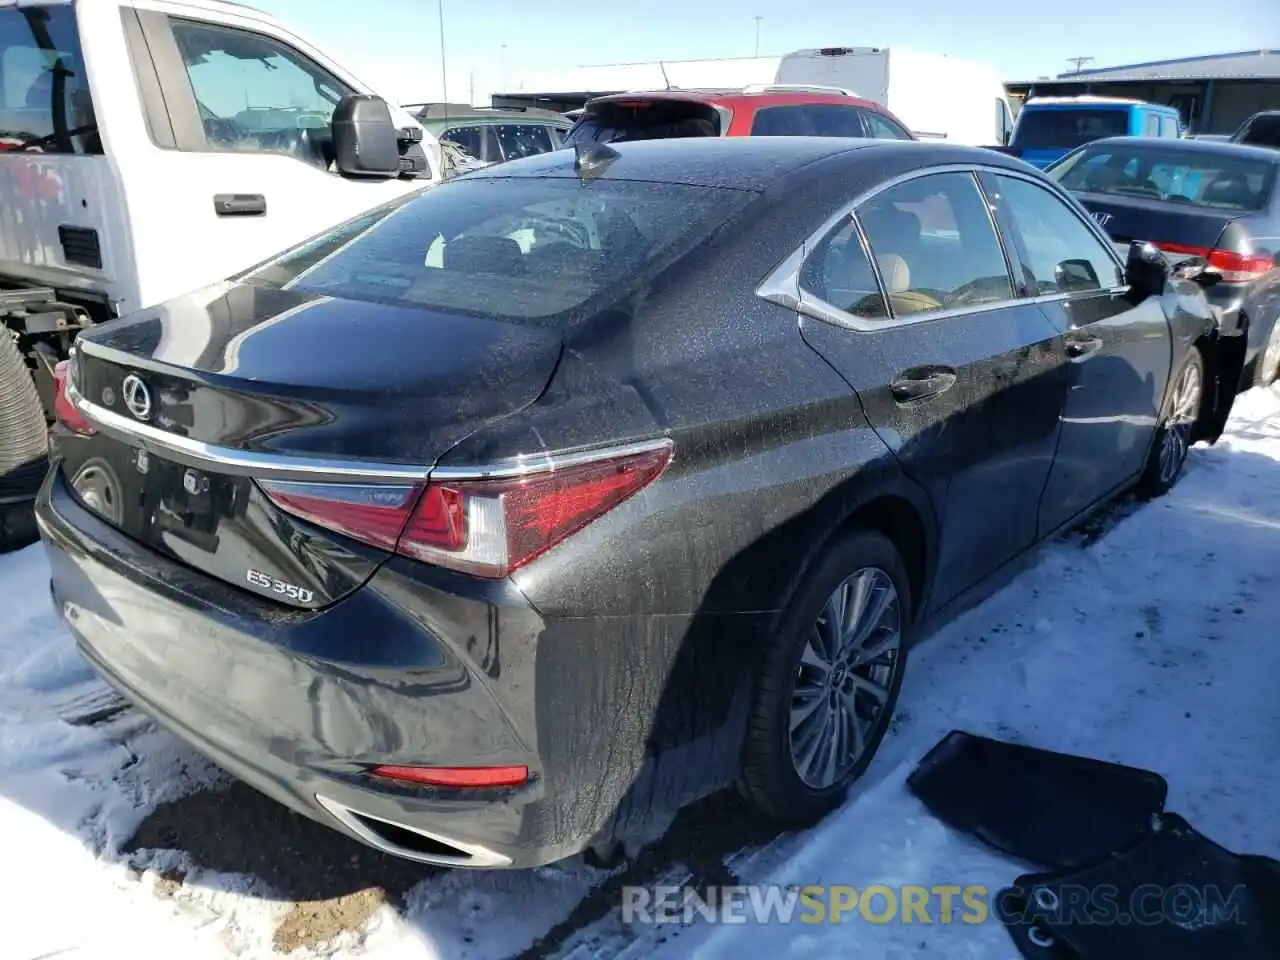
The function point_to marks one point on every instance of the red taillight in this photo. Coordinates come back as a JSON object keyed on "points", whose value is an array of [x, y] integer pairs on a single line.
{"points": [[1234, 267], [374, 514], [63, 409], [455, 776], [485, 527]]}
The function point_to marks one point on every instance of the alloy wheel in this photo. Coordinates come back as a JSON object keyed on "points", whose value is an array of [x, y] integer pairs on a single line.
{"points": [[843, 681], [1271, 358], [1182, 417]]}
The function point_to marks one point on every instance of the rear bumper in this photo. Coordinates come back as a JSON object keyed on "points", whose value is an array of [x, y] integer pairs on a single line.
{"points": [[299, 704]]}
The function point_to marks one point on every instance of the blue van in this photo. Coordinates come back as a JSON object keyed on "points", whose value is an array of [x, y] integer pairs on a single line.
{"points": [[1048, 128]]}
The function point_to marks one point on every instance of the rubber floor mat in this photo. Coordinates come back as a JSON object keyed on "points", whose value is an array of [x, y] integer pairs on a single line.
{"points": [[1173, 895], [1049, 809]]}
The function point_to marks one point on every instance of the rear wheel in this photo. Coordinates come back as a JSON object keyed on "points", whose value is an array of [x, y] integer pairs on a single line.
{"points": [[1268, 363], [828, 683], [24, 446], [1178, 420]]}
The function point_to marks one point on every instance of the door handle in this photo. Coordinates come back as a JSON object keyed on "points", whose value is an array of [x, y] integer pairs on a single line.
{"points": [[239, 204], [1082, 347], [915, 385]]}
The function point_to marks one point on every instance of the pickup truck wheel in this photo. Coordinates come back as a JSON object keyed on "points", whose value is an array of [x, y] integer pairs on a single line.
{"points": [[24, 447], [828, 682]]}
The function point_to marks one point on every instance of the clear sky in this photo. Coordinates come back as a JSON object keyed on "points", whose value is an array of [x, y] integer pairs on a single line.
{"points": [[394, 45]]}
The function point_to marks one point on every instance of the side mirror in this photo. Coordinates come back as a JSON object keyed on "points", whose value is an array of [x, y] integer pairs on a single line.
{"points": [[1146, 270], [365, 139], [1075, 275]]}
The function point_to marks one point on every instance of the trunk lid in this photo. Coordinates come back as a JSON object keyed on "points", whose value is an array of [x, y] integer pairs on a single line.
{"points": [[243, 378], [1159, 221]]}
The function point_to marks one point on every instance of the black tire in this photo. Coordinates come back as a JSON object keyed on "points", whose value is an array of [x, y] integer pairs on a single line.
{"points": [[1176, 428], [1266, 368], [24, 446], [768, 777]]}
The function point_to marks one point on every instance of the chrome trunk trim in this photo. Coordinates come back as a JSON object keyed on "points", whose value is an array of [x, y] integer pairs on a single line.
{"points": [[473, 854]]}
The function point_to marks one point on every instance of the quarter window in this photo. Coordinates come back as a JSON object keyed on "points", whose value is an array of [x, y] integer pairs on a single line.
{"points": [[254, 93], [1064, 255], [880, 127], [839, 273], [935, 246]]}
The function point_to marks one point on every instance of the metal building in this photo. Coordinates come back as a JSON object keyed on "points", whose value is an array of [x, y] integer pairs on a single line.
{"points": [[1214, 94]]}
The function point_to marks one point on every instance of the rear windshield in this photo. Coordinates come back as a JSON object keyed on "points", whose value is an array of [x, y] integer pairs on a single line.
{"points": [[1058, 128], [645, 120], [44, 91], [1262, 131], [508, 248], [1207, 179]]}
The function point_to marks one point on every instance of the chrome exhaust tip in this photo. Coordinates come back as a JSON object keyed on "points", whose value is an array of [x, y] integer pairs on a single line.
{"points": [[411, 843]]}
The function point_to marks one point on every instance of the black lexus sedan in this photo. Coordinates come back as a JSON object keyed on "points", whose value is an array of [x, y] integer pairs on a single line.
{"points": [[505, 520], [1217, 202]]}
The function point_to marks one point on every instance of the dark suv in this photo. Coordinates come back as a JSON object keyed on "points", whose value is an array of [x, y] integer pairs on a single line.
{"points": [[1260, 130], [770, 111]]}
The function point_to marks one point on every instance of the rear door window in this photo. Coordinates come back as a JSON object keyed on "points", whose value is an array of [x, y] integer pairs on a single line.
{"points": [[1169, 127], [935, 246], [1152, 125], [45, 105]]}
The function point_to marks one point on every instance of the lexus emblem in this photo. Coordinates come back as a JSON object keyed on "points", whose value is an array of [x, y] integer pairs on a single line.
{"points": [[137, 396]]}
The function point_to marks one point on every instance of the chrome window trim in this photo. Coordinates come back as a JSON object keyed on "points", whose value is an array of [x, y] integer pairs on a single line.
{"points": [[782, 285], [287, 467]]}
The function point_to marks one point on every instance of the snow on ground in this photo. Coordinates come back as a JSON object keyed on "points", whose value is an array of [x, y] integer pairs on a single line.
{"points": [[1154, 645]]}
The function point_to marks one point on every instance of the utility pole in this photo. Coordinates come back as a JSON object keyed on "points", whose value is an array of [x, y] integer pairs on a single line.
{"points": [[444, 70], [1079, 62], [472, 99], [758, 19]]}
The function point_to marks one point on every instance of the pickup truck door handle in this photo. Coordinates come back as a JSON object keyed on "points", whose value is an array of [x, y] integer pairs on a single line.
{"points": [[1080, 347], [239, 204], [922, 384]]}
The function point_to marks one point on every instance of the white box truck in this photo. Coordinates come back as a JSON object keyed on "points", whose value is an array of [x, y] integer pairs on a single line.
{"points": [[152, 147], [937, 97]]}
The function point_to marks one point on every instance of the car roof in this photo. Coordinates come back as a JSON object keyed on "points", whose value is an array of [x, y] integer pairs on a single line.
{"points": [[743, 163], [1066, 103], [485, 119], [1189, 146], [734, 97]]}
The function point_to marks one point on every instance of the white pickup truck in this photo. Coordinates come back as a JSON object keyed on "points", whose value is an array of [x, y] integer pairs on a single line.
{"points": [[149, 148]]}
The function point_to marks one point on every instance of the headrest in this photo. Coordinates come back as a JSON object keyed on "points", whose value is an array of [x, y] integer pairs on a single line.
{"points": [[496, 255]]}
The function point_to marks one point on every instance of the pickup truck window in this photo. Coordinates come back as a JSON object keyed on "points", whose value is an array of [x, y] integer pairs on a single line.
{"points": [[254, 93], [45, 105]]}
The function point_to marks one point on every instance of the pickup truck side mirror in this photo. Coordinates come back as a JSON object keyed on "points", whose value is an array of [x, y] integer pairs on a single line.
{"points": [[1146, 270], [365, 139]]}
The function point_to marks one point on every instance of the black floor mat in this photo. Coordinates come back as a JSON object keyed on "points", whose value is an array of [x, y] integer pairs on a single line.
{"points": [[1173, 895], [1049, 809]]}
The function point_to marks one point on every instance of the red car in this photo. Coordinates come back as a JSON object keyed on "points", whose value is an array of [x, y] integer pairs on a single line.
{"points": [[773, 111]]}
